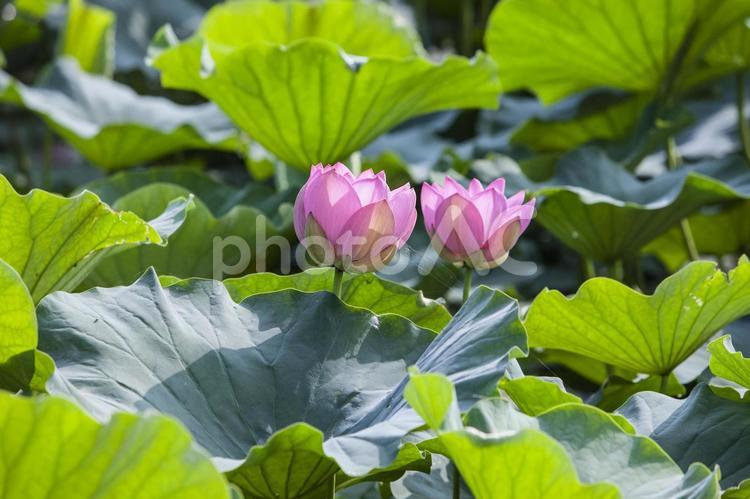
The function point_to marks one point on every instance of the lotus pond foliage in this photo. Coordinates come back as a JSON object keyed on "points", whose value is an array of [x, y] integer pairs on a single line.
{"points": [[368, 249]]}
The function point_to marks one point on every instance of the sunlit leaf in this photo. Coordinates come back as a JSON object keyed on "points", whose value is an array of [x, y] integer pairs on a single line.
{"points": [[53, 242], [311, 100], [728, 363], [369, 29], [535, 395], [557, 49], [21, 366], [51, 448], [612, 323], [89, 37]]}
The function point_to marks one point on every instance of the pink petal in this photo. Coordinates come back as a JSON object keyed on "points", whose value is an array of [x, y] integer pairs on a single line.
{"points": [[299, 214], [475, 187], [364, 229], [516, 199], [485, 204], [431, 197], [370, 189], [496, 249], [342, 169], [453, 187], [332, 201], [403, 202], [498, 185], [459, 226], [299, 203]]}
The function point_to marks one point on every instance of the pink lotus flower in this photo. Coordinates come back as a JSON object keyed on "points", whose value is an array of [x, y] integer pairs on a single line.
{"points": [[355, 223], [477, 226]]}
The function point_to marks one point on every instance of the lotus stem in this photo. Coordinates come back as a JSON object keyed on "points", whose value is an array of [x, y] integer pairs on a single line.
{"points": [[589, 268], [355, 161], [456, 482], [673, 161], [744, 126], [468, 274], [617, 270], [385, 490], [664, 384], [338, 281], [281, 176]]}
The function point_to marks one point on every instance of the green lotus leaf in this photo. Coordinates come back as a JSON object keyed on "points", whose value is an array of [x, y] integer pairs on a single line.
{"points": [[18, 316], [22, 367], [597, 121], [653, 334], [310, 101], [581, 443], [327, 378], [89, 37], [732, 50], [616, 390], [358, 290], [113, 126], [729, 364], [719, 233], [194, 250], [52, 449], [741, 491], [586, 367], [534, 395], [53, 242], [369, 29], [704, 427], [559, 49], [604, 212]]}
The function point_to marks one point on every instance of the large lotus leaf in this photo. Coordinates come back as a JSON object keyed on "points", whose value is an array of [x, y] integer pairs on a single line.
{"points": [[604, 212], [197, 248], [326, 379], [368, 29], [310, 102], [52, 449], [613, 323], [705, 428], [219, 197], [53, 242], [359, 290], [728, 363], [557, 49], [113, 126]]}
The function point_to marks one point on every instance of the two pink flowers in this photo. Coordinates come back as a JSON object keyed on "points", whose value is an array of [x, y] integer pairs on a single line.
{"points": [[357, 224]]}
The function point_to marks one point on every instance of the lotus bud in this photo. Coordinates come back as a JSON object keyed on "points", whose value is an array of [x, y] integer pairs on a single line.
{"points": [[477, 226], [355, 223]]}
